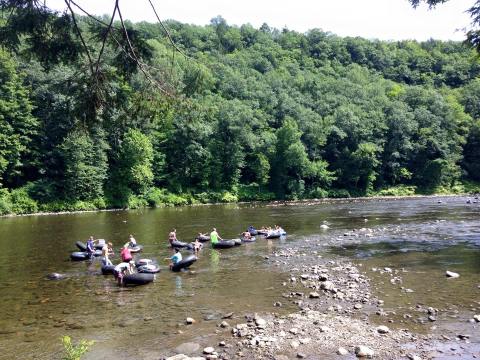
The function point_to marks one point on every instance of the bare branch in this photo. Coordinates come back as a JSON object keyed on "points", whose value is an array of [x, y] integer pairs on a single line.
{"points": [[105, 36], [90, 62]]}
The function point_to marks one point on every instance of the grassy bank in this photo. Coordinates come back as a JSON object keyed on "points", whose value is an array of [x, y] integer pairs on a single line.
{"points": [[20, 201]]}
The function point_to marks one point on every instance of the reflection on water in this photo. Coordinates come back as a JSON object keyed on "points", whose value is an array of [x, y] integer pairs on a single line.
{"points": [[420, 235]]}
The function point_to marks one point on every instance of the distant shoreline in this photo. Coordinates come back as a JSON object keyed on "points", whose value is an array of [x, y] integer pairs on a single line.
{"points": [[272, 203]]}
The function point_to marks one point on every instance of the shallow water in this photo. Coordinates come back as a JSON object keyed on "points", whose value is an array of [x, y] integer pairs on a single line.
{"points": [[422, 236]]}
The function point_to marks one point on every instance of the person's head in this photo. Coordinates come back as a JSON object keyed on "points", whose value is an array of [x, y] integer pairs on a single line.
{"points": [[214, 229], [90, 238], [110, 245], [130, 236]]}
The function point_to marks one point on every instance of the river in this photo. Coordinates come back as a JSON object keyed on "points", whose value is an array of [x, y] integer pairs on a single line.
{"points": [[419, 237]]}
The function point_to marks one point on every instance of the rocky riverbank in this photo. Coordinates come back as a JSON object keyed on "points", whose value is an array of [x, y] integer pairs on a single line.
{"points": [[337, 317]]}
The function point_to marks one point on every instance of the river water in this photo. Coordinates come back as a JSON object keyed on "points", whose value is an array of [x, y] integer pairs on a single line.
{"points": [[419, 238]]}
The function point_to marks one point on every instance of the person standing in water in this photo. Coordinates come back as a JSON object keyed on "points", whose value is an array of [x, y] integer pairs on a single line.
{"points": [[107, 250], [132, 241], [214, 237]]}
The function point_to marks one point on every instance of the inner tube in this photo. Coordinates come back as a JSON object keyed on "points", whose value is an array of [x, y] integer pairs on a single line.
{"points": [[180, 245], [107, 269], [262, 232], [138, 279], [149, 269], [79, 256], [135, 249], [238, 242], [142, 262], [224, 244], [184, 263], [253, 232], [274, 235], [252, 239], [81, 246], [203, 238]]}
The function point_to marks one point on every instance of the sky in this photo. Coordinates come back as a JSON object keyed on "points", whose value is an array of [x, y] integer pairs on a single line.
{"points": [[372, 19]]}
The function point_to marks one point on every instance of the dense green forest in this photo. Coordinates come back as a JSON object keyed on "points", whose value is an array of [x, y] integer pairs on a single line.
{"points": [[231, 114]]}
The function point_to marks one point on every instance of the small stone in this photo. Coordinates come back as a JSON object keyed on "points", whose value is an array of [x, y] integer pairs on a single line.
{"points": [[413, 357], [342, 351], [294, 344], [208, 350], [363, 351], [432, 318], [293, 331], [358, 306], [476, 318], [178, 357], [261, 323], [301, 355], [314, 295], [189, 321], [327, 285], [222, 344], [224, 324], [383, 329], [324, 329], [452, 274]]}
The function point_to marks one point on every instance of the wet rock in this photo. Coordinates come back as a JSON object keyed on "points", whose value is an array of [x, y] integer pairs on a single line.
{"points": [[281, 357], [342, 351], [178, 357], [294, 344], [301, 355], [413, 357], [476, 318], [227, 315], [327, 285], [55, 276], [324, 329], [189, 321], [277, 304], [187, 348], [261, 323], [293, 331], [383, 329], [222, 344], [432, 318], [358, 306], [463, 336], [363, 351], [324, 227], [314, 295], [224, 324], [208, 350], [452, 274]]}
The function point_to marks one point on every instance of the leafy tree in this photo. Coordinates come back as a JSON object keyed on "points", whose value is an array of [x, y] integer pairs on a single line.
{"points": [[17, 125]]}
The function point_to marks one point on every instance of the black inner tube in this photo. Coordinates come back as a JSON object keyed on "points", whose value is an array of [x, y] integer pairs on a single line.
{"points": [[184, 263], [223, 244], [138, 279]]}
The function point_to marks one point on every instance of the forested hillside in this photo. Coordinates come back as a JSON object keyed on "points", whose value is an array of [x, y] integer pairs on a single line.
{"points": [[239, 114]]}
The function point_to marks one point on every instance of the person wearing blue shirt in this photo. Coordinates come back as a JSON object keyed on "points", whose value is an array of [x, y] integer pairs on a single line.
{"points": [[176, 258], [90, 247]]}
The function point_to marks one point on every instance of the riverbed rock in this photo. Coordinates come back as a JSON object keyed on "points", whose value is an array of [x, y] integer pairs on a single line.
{"points": [[413, 357], [190, 321], [224, 324], [476, 318], [452, 274], [55, 276], [261, 323], [208, 350], [383, 329], [327, 285], [314, 295], [178, 357], [342, 351], [187, 348], [364, 351]]}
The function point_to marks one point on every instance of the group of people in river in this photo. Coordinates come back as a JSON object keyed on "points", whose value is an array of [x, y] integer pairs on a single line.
{"points": [[127, 264]]}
